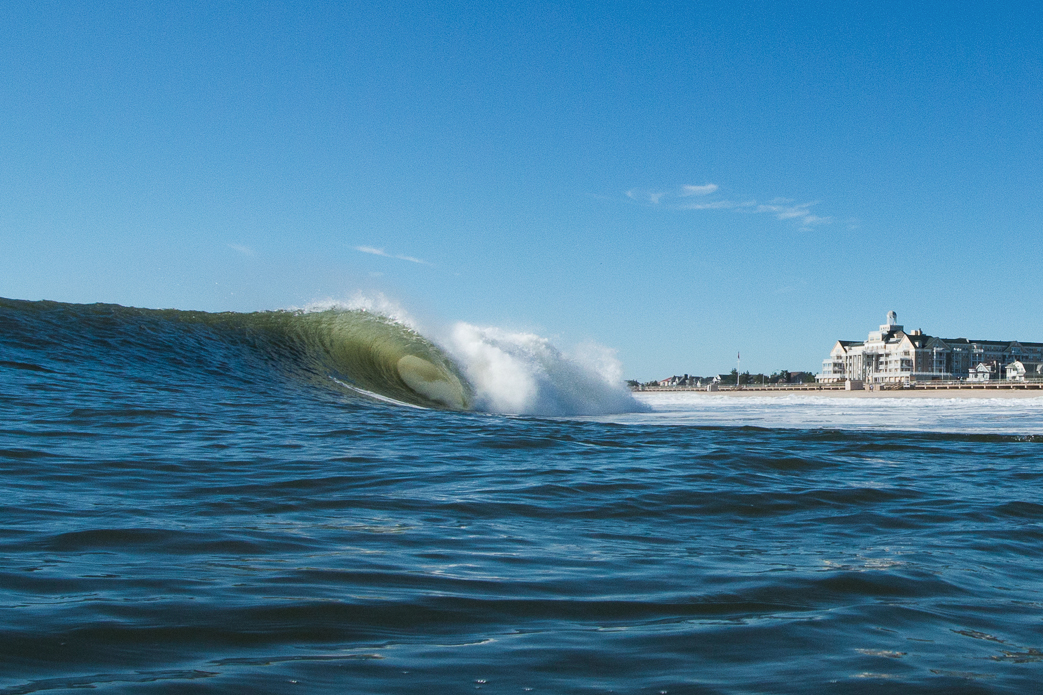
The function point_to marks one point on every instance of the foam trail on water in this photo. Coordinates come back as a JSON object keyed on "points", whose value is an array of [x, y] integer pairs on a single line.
{"points": [[522, 373]]}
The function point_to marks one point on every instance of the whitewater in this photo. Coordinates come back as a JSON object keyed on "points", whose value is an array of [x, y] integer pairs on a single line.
{"points": [[337, 498]]}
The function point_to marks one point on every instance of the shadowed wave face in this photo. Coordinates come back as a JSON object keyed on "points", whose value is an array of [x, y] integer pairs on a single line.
{"points": [[360, 352]]}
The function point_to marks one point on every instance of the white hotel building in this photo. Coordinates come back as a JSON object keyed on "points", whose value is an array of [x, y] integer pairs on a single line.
{"points": [[890, 355]]}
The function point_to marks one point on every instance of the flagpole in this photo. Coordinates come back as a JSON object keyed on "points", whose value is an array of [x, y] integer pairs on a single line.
{"points": [[738, 369]]}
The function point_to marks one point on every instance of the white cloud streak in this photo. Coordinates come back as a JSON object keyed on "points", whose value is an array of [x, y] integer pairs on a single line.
{"points": [[381, 252], [645, 196], [718, 205], [698, 190], [245, 250], [783, 209]]}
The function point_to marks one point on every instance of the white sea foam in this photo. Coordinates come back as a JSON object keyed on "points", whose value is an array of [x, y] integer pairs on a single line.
{"points": [[523, 373], [1017, 416]]}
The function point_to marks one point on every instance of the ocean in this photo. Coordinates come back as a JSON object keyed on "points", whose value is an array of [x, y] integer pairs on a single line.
{"points": [[337, 500]]}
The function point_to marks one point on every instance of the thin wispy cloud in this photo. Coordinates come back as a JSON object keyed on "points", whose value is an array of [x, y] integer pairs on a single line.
{"points": [[785, 209], [641, 196], [245, 250], [679, 198], [685, 191], [718, 205], [699, 190], [374, 251], [381, 252]]}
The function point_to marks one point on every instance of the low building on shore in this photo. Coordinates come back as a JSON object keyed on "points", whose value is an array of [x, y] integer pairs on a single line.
{"points": [[984, 372], [681, 381], [892, 355], [1019, 370]]}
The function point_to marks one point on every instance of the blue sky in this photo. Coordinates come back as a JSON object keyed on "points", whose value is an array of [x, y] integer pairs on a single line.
{"points": [[678, 181]]}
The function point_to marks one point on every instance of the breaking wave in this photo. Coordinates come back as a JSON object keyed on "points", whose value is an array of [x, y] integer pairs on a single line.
{"points": [[370, 348]]}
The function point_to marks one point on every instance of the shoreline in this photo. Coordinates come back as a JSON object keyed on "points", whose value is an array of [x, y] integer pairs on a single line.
{"points": [[954, 392]]}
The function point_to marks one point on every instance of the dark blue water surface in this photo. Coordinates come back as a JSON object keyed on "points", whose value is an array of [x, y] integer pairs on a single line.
{"points": [[185, 507]]}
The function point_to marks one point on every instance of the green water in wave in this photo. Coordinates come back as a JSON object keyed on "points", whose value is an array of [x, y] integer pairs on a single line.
{"points": [[380, 355], [367, 351]]}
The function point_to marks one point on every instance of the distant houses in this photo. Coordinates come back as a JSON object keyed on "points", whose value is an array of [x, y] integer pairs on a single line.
{"points": [[683, 380], [892, 355], [744, 379]]}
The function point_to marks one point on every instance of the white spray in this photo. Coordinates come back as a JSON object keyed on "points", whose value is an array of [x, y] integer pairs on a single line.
{"points": [[523, 373]]}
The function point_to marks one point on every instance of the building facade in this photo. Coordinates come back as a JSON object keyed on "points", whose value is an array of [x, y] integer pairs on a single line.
{"points": [[1019, 370], [892, 355]]}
